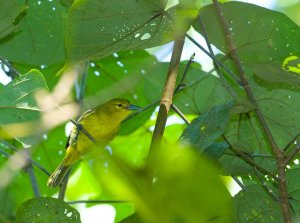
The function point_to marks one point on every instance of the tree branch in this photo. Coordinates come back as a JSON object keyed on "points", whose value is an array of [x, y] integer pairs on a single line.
{"points": [[279, 156], [168, 92]]}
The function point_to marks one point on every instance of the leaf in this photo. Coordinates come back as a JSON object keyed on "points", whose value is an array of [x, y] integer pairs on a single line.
{"points": [[46, 209], [164, 198], [292, 176], [204, 130], [96, 29], [254, 205], [40, 37], [138, 76], [266, 40], [9, 11], [14, 194], [18, 104]]}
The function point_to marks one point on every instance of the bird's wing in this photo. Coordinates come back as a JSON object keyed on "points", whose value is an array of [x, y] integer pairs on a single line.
{"points": [[72, 139]]}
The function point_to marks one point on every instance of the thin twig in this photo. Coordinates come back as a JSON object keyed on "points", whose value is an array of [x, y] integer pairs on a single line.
{"points": [[181, 83], [98, 201], [36, 164], [214, 59], [279, 156], [216, 66], [63, 186], [266, 187], [179, 88], [182, 116], [291, 142], [292, 155], [83, 130], [239, 182], [247, 159], [29, 170]]}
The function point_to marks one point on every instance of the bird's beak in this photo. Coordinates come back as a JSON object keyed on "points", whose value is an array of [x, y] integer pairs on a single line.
{"points": [[132, 107]]}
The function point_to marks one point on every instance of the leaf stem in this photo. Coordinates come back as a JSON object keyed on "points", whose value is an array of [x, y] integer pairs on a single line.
{"points": [[279, 156], [29, 170], [97, 201], [292, 155]]}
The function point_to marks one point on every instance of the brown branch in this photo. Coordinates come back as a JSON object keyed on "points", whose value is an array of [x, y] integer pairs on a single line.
{"points": [[279, 156], [168, 92]]}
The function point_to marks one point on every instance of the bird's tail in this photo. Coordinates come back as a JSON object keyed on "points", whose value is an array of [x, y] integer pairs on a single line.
{"points": [[58, 175]]}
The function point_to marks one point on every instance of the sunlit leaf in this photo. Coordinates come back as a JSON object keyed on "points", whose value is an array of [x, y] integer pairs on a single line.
{"points": [[18, 104], [264, 39]]}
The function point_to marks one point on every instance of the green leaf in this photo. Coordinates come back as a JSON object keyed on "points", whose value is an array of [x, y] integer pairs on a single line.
{"points": [[46, 210], [96, 29], [18, 104], [40, 36], [14, 194], [164, 198], [266, 40], [255, 205], [139, 77], [9, 11], [293, 188], [206, 129]]}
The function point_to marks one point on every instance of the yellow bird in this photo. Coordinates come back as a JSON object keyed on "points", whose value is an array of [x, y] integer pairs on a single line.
{"points": [[102, 123]]}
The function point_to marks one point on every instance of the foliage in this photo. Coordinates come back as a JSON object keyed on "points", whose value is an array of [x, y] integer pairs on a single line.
{"points": [[73, 55]]}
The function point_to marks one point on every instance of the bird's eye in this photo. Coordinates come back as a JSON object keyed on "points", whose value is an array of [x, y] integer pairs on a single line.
{"points": [[119, 105]]}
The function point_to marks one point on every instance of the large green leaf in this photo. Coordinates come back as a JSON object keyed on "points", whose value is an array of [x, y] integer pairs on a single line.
{"points": [[207, 128], [47, 210], [9, 11], [18, 104], [98, 28], [267, 41], [40, 36], [138, 76], [255, 205]]}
